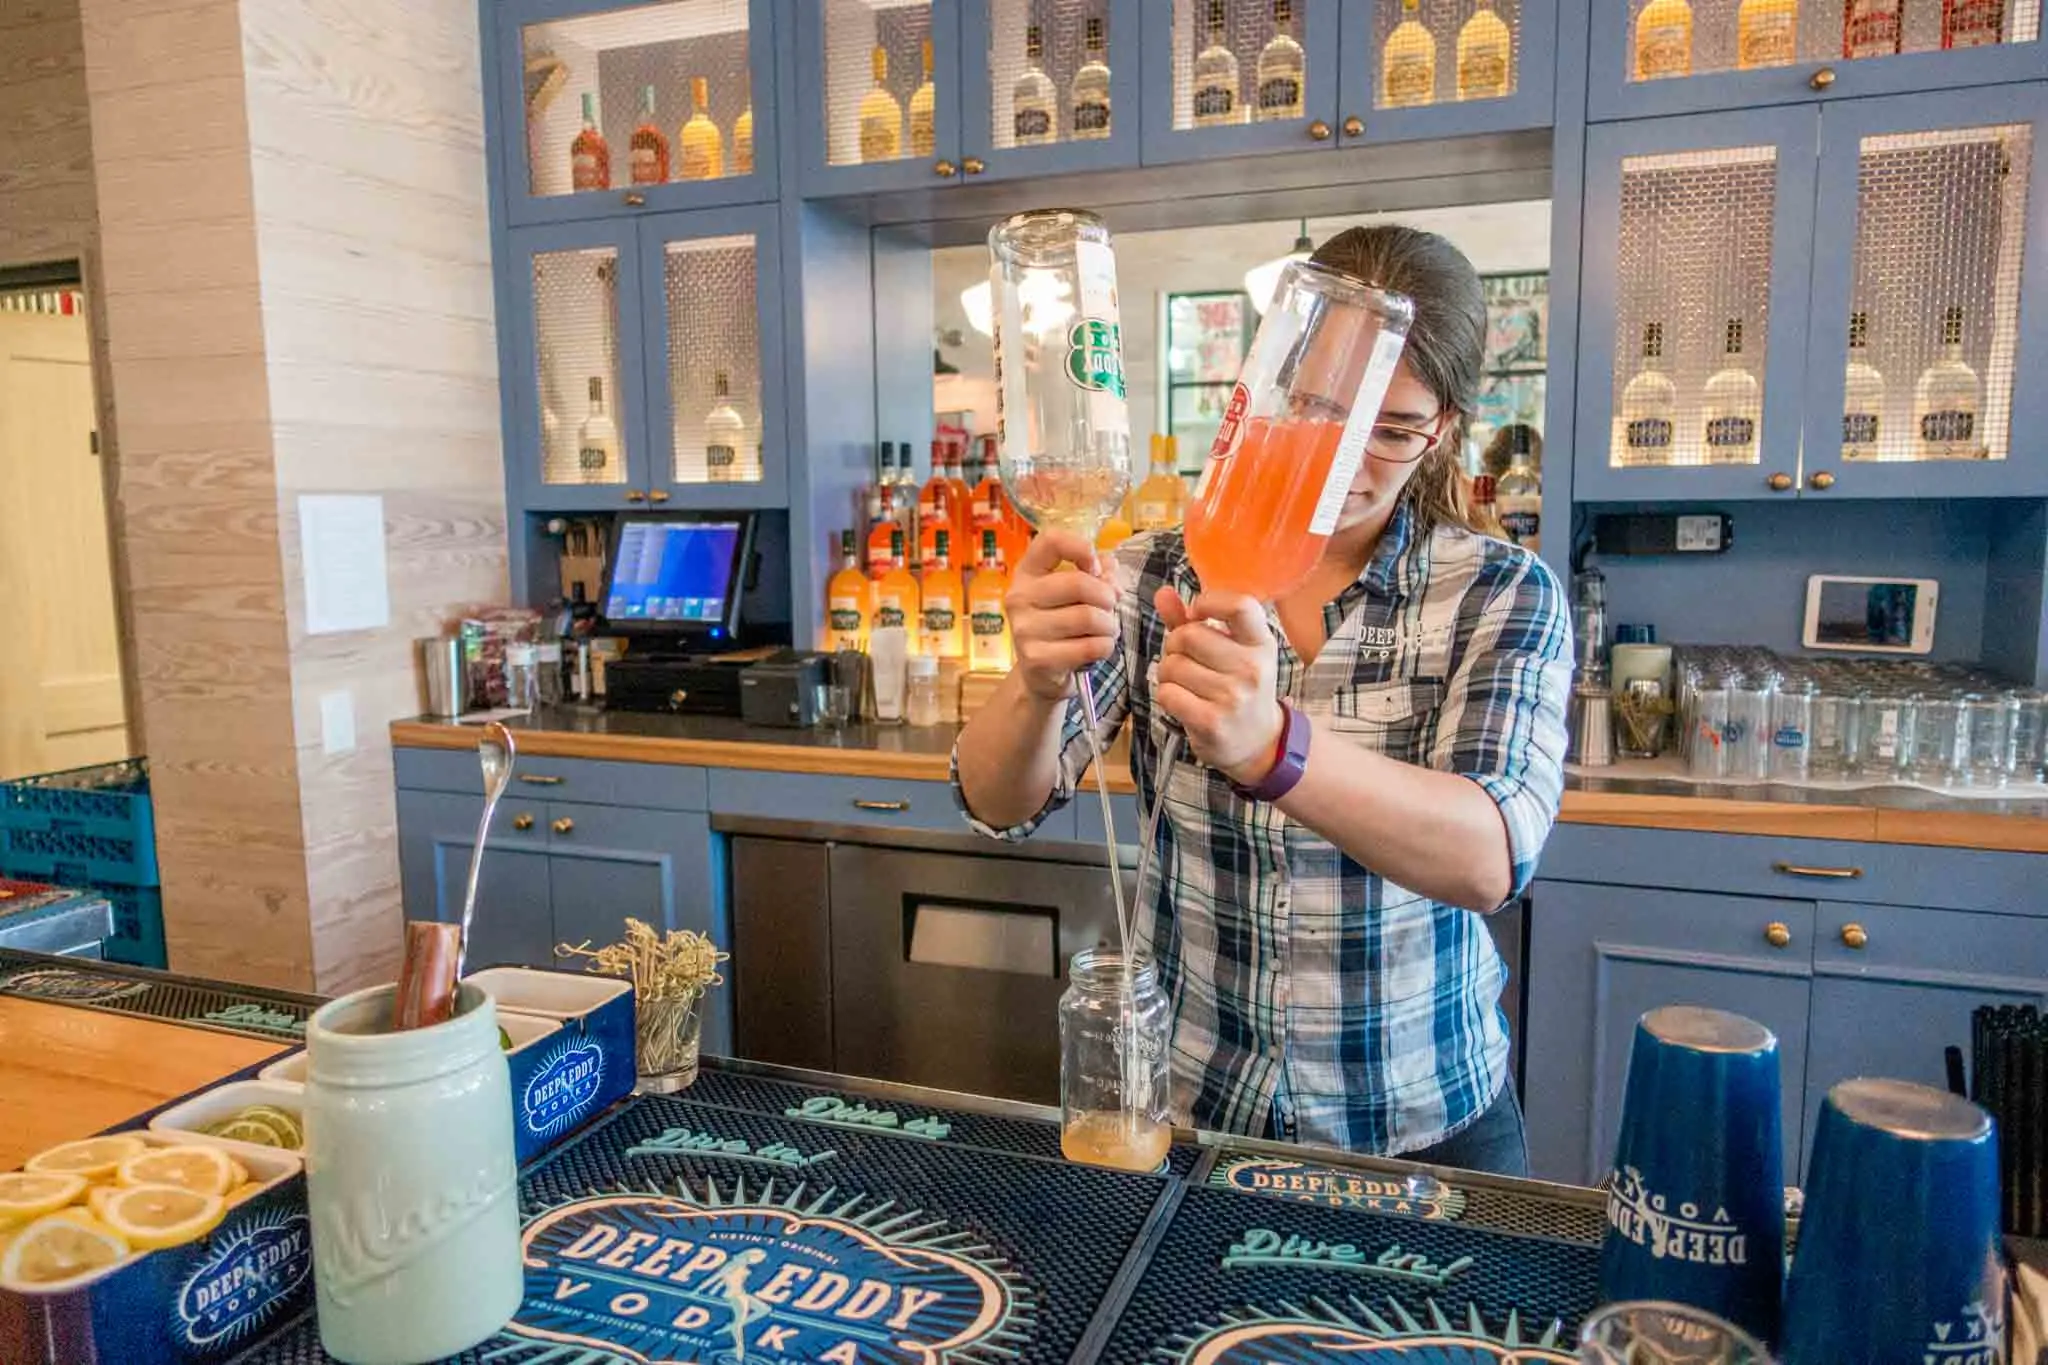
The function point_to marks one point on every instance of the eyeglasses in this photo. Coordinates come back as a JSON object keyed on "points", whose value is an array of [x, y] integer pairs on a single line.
{"points": [[1398, 444]]}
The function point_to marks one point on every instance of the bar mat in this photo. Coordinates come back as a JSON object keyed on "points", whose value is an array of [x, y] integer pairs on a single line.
{"points": [[1243, 1279], [1029, 1137], [248, 1010], [730, 1235]]}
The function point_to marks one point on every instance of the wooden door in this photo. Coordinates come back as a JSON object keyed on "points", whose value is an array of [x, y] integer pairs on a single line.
{"points": [[63, 708]]}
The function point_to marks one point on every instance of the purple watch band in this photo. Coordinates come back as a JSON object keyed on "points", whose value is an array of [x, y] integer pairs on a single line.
{"points": [[1293, 760]]}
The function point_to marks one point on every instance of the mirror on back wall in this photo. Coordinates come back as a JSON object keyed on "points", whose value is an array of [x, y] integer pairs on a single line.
{"points": [[1190, 306]]}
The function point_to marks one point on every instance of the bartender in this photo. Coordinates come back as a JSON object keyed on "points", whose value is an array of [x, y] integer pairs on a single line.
{"points": [[1379, 758]]}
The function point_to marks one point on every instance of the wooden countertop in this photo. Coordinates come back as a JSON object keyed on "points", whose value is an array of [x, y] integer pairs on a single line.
{"points": [[67, 1073], [1646, 797]]}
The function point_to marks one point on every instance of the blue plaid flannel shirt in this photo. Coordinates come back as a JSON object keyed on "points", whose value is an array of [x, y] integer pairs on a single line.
{"points": [[1312, 998]]}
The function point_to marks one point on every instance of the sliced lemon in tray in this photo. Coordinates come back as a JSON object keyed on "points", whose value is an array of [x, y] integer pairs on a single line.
{"points": [[94, 1158], [60, 1248], [31, 1194], [202, 1170], [266, 1125], [150, 1216]]}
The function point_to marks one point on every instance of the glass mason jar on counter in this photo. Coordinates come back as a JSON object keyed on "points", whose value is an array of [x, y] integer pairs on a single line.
{"points": [[1114, 1096]]}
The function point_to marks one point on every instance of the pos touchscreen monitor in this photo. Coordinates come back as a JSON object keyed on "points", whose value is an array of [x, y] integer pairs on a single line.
{"points": [[678, 574]]}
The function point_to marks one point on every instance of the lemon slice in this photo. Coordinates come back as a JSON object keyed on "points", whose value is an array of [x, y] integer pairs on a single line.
{"points": [[31, 1194], [94, 1158], [243, 1191], [58, 1250], [248, 1130], [291, 1133], [152, 1216], [202, 1170]]}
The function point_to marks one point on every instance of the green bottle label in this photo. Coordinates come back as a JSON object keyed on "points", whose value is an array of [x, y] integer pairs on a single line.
{"points": [[1095, 356]]}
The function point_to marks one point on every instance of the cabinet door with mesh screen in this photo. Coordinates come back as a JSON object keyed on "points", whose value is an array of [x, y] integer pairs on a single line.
{"points": [[1929, 302], [1682, 56], [714, 358], [572, 349], [605, 106], [1048, 86], [1226, 78], [1444, 68], [878, 94], [1698, 249]]}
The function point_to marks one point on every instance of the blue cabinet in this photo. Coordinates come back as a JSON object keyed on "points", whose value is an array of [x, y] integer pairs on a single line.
{"points": [[514, 921], [1193, 112], [1002, 134], [1599, 957], [859, 70], [1815, 68], [1376, 109], [1754, 242], [550, 56], [623, 336]]}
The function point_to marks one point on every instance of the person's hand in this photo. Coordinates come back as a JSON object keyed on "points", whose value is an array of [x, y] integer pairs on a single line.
{"points": [[1061, 619], [1219, 684]]}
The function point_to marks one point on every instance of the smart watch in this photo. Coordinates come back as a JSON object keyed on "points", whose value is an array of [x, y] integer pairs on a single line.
{"points": [[1289, 762]]}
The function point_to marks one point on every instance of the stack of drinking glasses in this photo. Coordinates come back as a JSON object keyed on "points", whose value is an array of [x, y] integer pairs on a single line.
{"points": [[1746, 713]]}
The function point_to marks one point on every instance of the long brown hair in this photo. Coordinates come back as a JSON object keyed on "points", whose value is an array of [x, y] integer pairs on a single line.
{"points": [[1446, 346]]}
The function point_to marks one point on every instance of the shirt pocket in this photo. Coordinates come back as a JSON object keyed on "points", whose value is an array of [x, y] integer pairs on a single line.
{"points": [[1395, 718]]}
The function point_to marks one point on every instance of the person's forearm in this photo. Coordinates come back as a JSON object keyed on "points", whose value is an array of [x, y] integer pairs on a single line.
{"points": [[1433, 832], [1010, 754]]}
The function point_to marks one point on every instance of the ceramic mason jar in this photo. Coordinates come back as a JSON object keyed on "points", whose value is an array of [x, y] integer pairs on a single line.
{"points": [[410, 1179]]}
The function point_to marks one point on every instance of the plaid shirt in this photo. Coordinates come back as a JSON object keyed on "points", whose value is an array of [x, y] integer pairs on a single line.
{"points": [[1313, 999]]}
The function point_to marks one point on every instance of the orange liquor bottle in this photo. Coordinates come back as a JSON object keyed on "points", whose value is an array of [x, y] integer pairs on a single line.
{"points": [[938, 508], [988, 618], [849, 600], [991, 509], [882, 523], [897, 601], [944, 602], [964, 539], [590, 156], [648, 150]]}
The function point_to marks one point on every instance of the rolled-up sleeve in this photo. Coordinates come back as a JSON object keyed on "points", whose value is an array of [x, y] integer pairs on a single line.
{"points": [[1503, 719]]}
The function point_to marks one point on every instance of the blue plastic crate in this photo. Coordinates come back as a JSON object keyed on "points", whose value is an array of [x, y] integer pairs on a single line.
{"points": [[92, 825], [138, 937]]}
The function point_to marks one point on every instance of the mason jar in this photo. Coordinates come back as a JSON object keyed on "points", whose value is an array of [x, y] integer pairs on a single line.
{"points": [[410, 1179], [1114, 1078]]}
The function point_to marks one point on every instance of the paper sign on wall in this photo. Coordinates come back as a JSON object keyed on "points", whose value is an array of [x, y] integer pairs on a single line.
{"points": [[341, 545]]}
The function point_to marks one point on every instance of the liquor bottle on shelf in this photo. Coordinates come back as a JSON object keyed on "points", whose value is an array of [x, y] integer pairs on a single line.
{"points": [[725, 434], [1215, 102], [1663, 40], [1033, 118], [1113, 532], [1766, 33], [990, 508], [1947, 399], [1282, 69], [698, 144], [590, 157], [648, 150], [1408, 66], [963, 496], [896, 597], [1872, 28], [923, 106], [1972, 23], [942, 602], [1862, 395], [1159, 501], [1518, 497], [1486, 61], [938, 507], [1090, 91], [743, 140], [1731, 404], [1649, 406], [988, 616], [881, 118], [1485, 510], [906, 494], [597, 440], [881, 521], [849, 601]]}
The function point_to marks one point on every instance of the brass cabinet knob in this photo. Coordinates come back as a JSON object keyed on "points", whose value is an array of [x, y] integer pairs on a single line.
{"points": [[636, 201], [1319, 131], [1777, 934], [677, 698], [522, 821], [1779, 483], [563, 826], [1855, 936], [1823, 78], [945, 170], [635, 495], [1820, 480], [658, 495], [1354, 126], [973, 165]]}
